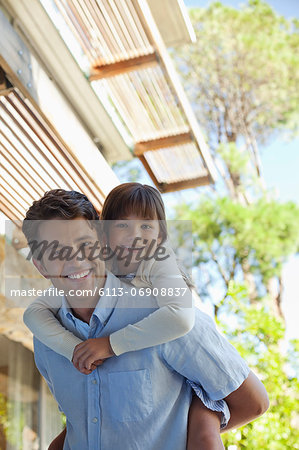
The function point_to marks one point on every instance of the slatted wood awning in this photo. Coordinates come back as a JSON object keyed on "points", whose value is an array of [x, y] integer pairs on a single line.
{"points": [[34, 158], [129, 64]]}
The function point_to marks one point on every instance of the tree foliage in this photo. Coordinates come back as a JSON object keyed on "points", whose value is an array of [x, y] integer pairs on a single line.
{"points": [[242, 74], [257, 336], [238, 239], [231, 240]]}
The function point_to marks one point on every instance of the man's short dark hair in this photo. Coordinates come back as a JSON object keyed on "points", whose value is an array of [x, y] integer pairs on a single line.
{"points": [[57, 204]]}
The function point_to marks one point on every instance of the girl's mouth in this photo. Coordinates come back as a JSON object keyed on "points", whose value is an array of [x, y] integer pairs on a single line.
{"points": [[132, 248]]}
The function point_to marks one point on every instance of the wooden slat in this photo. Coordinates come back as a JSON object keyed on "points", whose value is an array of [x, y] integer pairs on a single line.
{"points": [[149, 171], [5, 86], [186, 184], [80, 30], [128, 65], [129, 40], [155, 39], [58, 151], [19, 214], [27, 181], [8, 212], [19, 126], [19, 201], [20, 168], [164, 142], [135, 25]]}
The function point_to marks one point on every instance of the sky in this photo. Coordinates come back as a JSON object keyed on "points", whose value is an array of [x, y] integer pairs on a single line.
{"points": [[287, 8], [280, 162]]}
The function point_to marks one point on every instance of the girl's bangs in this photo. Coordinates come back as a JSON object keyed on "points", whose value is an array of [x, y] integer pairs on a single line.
{"points": [[139, 204]]}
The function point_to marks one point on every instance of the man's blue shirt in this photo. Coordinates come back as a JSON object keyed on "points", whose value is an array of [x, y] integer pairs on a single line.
{"points": [[138, 400]]}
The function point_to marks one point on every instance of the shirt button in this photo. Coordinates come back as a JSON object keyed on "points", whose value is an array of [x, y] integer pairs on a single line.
{"points": [[94, 420], [94, 381]]}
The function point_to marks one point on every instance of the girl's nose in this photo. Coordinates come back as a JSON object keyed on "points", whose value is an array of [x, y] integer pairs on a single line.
{"points": [[134, 231]]}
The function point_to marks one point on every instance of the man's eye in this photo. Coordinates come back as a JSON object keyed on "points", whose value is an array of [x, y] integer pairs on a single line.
{"points": [[86, 244]]}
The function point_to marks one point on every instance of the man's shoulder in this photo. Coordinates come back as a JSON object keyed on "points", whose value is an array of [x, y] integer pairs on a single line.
{"points": [[204, 327], [51, 297]]}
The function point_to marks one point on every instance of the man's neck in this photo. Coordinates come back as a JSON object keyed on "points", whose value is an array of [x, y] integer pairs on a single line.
{"points": [[83, 314]]}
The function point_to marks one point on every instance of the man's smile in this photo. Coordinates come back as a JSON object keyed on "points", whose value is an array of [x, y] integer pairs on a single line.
{"points": [[79, 275]]}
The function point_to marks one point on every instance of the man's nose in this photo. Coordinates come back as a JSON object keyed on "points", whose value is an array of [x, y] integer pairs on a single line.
{"points": [[75, 255]]}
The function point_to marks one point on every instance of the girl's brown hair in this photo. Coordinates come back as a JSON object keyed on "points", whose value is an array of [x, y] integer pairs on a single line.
{"points": [[134, 198]]}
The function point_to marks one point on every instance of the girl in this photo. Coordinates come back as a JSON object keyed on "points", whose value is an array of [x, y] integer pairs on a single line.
{"points": [[134, 226]]}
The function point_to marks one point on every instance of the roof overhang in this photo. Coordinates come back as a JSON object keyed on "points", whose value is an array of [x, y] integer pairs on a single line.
{"points": [[173, 22], [130, 67], [33, 24], [43, 145]]}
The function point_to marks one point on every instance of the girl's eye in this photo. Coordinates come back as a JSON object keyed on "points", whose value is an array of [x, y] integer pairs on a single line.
{"points": [[121, 225], [146, 227]]}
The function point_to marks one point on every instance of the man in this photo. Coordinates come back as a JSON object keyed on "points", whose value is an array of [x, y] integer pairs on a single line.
{"points": [[138, 400]]}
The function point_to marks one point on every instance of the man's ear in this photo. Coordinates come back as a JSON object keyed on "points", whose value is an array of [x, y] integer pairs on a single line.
{"points": [[40, 267]]}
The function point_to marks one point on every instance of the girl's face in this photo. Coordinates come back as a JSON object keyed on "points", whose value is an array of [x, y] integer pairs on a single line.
{"points": [[134, 236]]}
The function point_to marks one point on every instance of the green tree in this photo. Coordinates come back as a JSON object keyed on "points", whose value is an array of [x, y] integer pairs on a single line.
{"points": [[242, 76], [232, 242], [257, 336], [249, 243]]}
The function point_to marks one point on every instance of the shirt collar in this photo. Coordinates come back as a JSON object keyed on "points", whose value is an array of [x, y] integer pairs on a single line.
{"points": [[106, 302]]}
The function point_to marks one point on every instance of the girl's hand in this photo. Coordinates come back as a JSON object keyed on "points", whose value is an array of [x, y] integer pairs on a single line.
{"points": [[86, 353], [94, 365]]}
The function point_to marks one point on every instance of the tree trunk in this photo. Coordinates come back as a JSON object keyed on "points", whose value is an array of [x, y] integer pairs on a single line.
{"points": [[250, 281], [275, 289]]}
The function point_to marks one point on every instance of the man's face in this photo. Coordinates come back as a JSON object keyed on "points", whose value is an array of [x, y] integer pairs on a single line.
{"points": [[68, 264]]}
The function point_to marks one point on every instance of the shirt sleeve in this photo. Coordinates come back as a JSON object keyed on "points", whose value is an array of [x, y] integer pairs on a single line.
{"points": [[173, 319], [205, 357], [40, 318]]}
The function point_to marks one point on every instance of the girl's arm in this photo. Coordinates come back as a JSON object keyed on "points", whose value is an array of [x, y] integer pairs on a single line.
{"points": [[40, 319], [173, 319]]}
